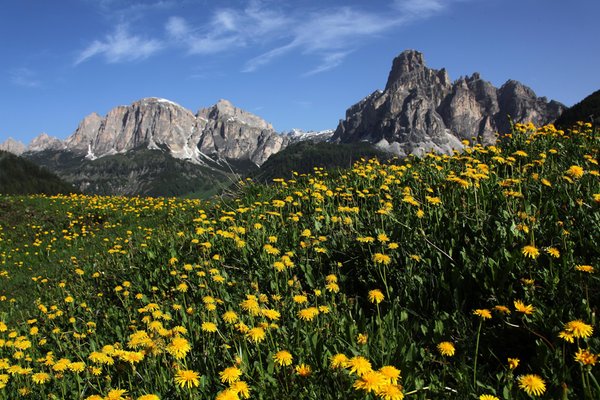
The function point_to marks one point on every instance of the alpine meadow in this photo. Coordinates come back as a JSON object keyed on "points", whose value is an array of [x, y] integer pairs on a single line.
{"points": [[472, 275]]}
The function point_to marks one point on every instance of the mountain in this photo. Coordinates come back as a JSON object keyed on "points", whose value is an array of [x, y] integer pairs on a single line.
{"points": [[13, 146], [157, 147], [221, 131], [587, 110], [19, 176], [141, 172], [421, 110]]}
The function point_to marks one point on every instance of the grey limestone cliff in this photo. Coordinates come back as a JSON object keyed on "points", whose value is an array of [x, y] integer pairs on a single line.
{"points": [[421, 110], [13, 146]]}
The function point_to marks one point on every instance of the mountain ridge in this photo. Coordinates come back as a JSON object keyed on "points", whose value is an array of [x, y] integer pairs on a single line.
{"points": [[420, 110]]}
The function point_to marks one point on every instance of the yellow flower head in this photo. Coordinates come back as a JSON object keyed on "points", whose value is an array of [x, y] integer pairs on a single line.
{"points": [[283, 358], [370, 381], [575, 171], [187, 378], [338, 361], [483, 313], [303, 370], [376, 296], [358, 365], [523, 308], [488, 397], [585, 357], [532, 384], [579, 329], [230, 375], [446, 349], [513, 363], [530, 251]]}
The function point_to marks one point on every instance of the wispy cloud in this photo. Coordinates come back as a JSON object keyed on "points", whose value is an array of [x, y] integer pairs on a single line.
{"points": [[328, 34], [121, 46], [24, 77], [272, 29], [329, 61], [228, 29]]}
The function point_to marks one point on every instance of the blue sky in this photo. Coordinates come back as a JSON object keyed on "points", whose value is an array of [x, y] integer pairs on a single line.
{"points": [[297, 63]]}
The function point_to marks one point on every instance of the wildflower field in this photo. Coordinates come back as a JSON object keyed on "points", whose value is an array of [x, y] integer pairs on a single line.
{"points": [[472, 276]]}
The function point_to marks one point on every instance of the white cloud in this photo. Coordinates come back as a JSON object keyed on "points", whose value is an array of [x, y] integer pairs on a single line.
{"points": [[24, 77], [121, 46], [271, 29], [229, 29], [421, 8], [328, 62]]}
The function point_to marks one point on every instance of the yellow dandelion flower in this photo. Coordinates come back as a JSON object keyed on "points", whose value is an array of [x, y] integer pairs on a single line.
{"points": [[446, 349], [178, 347], [488, 397], [227, 394], [379, 258], [483, 313], [300, 299], [308, 314], [566, 336], [230, 317], [376, 296], [116, 394], [579, 329], [513, 363], [391, 373], [303, 370], [585, 268], [283, 358], [370, 381], [338, 361], [362, 338], [553, 252], [575, 171], [210, 327], [332, 287], [532, 384], [523, 308], [391, 392], [148, 397], [187, 378], [256, 334], [358, 365], [585, 357], [241, 388], [230, 375], [40, 378], [530, 251], [502, 309]]}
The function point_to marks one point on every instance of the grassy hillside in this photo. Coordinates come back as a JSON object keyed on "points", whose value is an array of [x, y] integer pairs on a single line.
{"points": [[141, 172], [304, 157], [587, 110], [20, 176], [473, 276]]}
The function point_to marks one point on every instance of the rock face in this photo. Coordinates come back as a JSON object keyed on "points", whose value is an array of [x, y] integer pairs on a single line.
{"points": [[45, 142], [13, 146], [234, 133], [221, 131], [421, 110]]}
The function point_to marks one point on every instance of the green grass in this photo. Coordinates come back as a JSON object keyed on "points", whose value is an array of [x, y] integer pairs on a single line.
{"points": [[300, 263]]}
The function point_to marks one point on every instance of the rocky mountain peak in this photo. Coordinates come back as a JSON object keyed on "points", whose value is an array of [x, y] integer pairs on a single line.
{"points": [[13, 146], [45, 142], [421, 110], [225, 110]]}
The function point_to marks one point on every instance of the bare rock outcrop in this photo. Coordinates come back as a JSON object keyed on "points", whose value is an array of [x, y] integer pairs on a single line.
{"points": [[421, 110], [13, 146]]}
